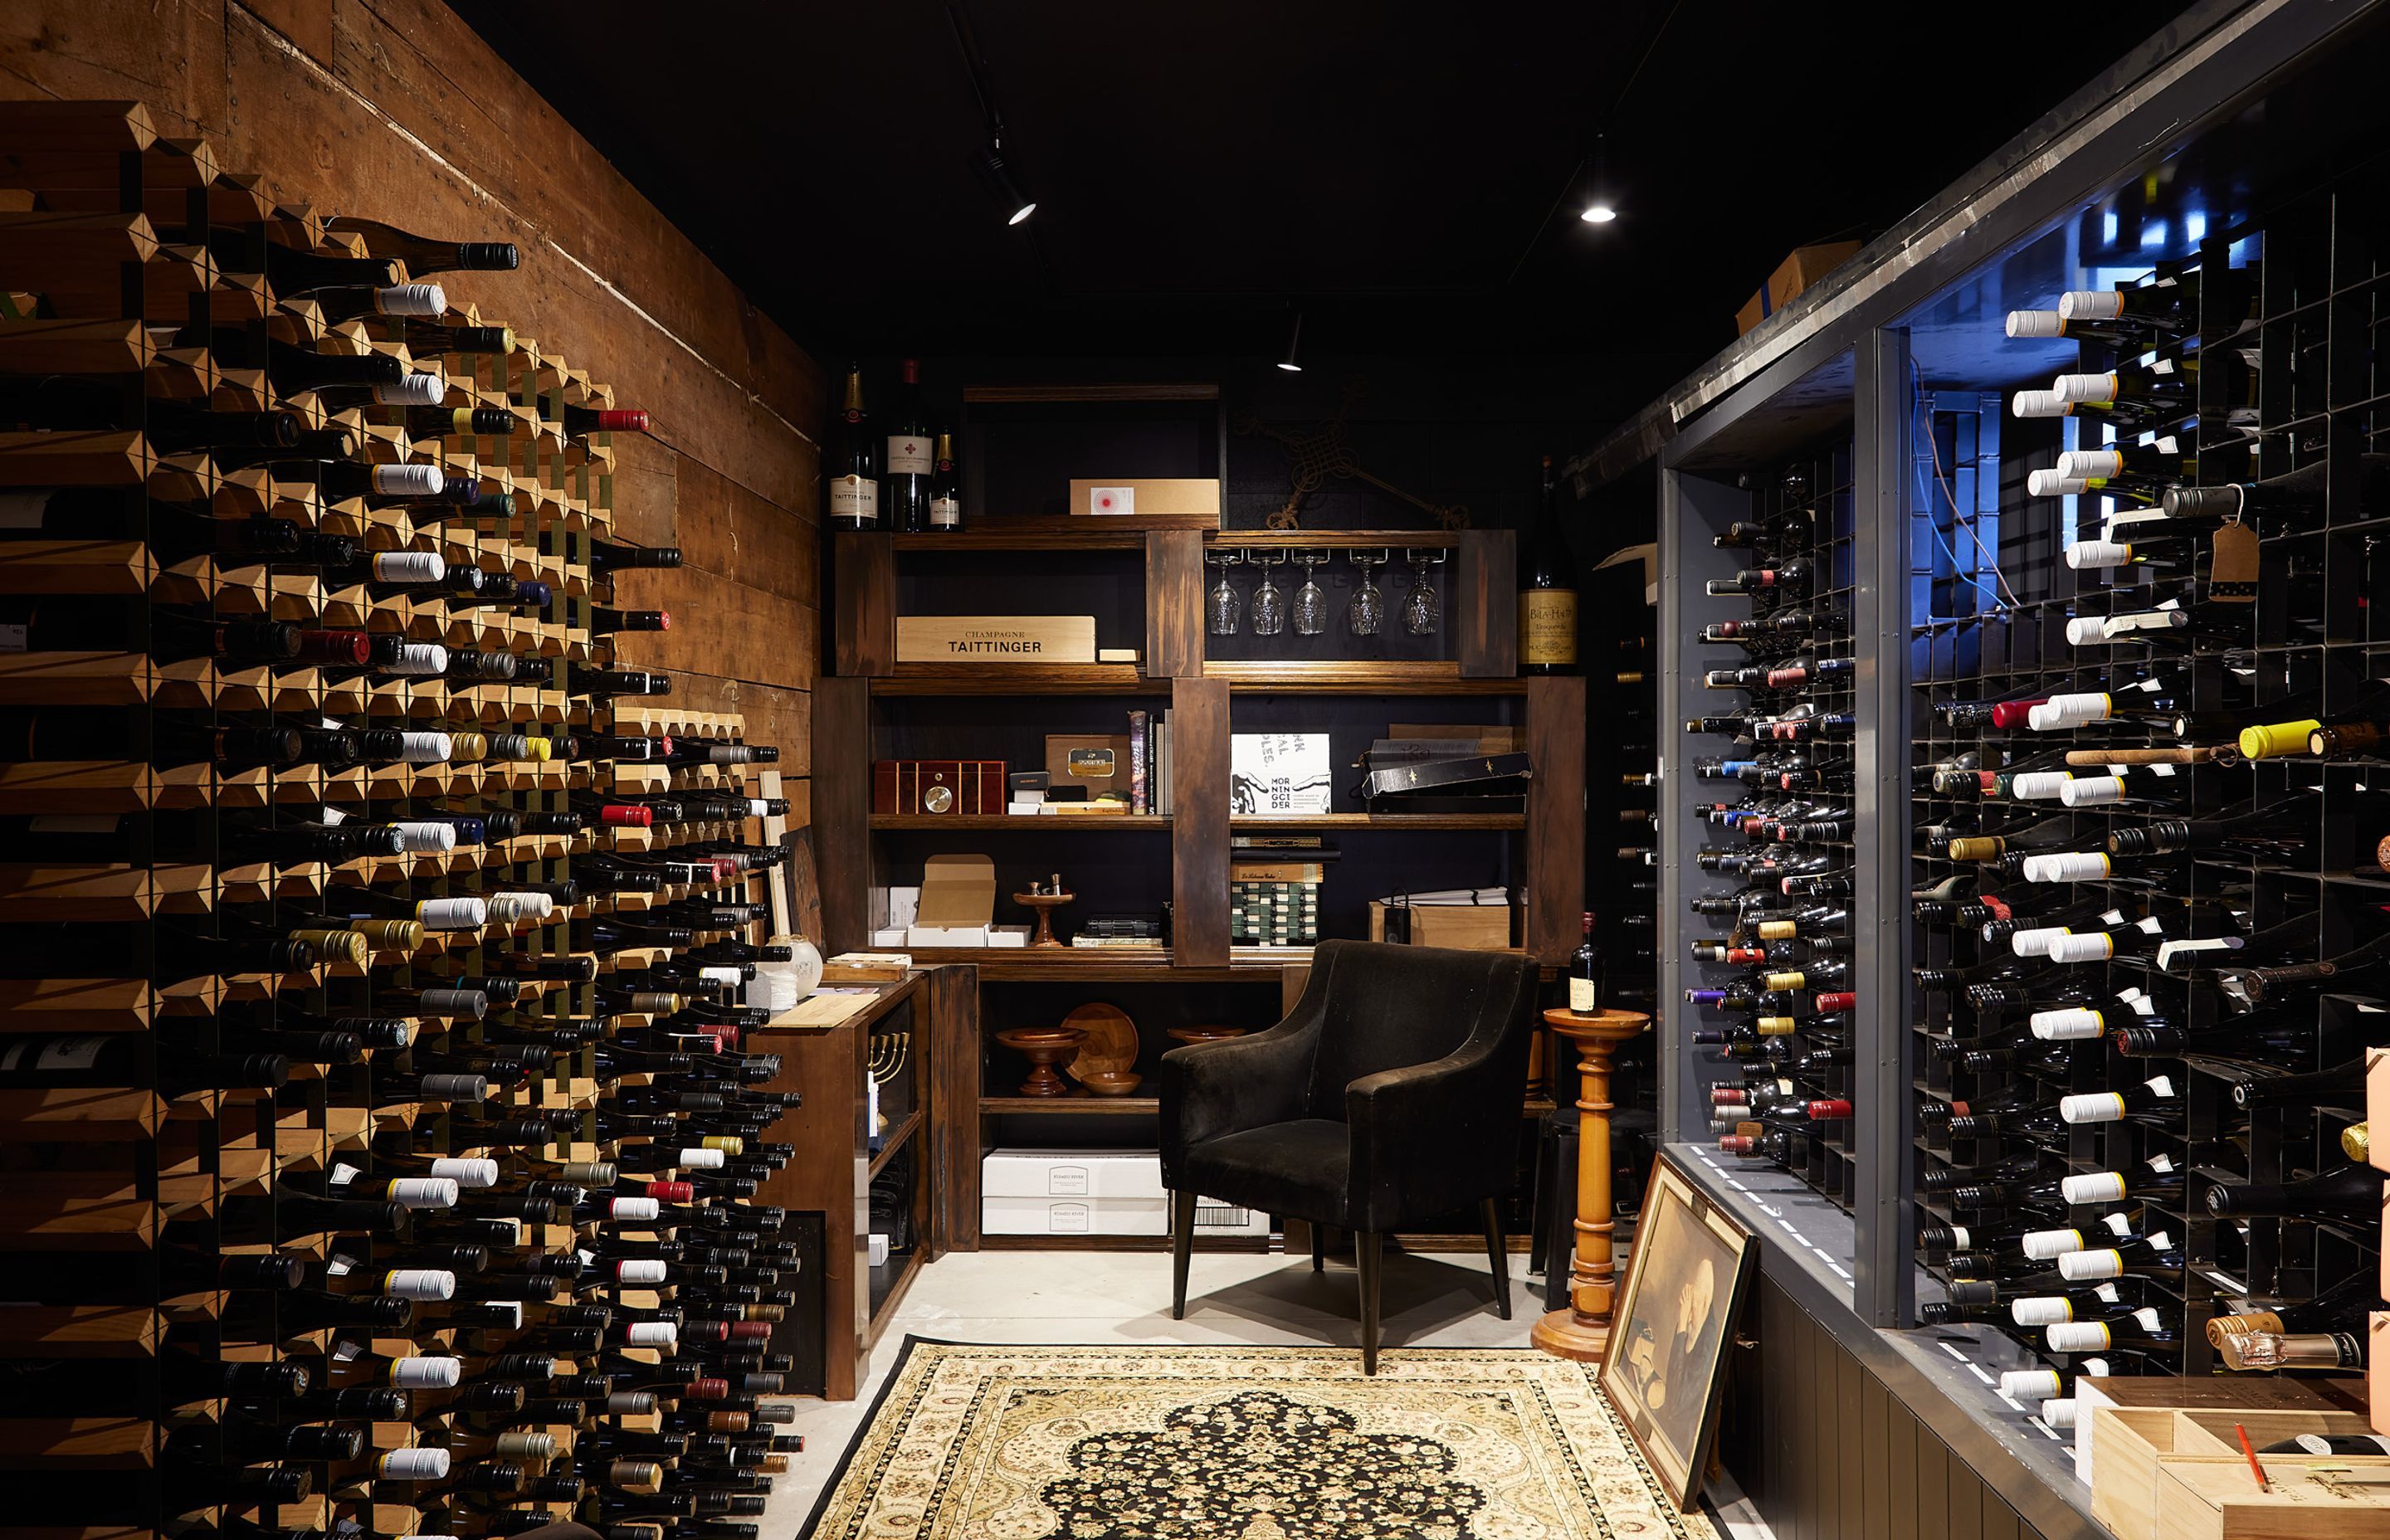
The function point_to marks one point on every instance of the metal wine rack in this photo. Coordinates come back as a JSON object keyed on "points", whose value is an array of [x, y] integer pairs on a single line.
{"points": [[128, 1172]]}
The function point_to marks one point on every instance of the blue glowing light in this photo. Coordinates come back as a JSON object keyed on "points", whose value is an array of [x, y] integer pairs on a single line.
{"points": [[2153, 234], [2108, 227], [2194, 227]]}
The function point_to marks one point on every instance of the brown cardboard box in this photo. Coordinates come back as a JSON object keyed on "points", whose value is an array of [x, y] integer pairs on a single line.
{"points": [[2134, 1449], [1804, 267], [958, 901], [1464, 927], [1193, 497]]}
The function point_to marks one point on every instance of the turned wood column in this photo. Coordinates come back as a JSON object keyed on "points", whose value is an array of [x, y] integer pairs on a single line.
{"points": [[1582, 1330]]}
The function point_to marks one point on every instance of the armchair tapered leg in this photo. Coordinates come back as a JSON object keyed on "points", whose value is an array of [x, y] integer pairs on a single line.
{"points": [[1182, 1249], [1497, 1253], [1366, 1253], [1319, 1248]]}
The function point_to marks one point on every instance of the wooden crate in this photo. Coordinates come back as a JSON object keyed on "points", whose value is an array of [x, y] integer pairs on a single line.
{"points": [[2133, 1448]]}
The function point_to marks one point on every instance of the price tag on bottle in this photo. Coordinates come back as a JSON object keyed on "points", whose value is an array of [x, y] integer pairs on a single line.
{"points": [[2232, 566]]}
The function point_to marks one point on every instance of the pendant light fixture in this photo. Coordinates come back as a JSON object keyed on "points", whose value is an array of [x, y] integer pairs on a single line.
{"points": [[1017, 205], [1601, 206], [1294, 341]]}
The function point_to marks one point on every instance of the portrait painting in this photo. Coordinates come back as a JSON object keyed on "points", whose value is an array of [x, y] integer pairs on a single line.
{"points": [[1665, 1363]]}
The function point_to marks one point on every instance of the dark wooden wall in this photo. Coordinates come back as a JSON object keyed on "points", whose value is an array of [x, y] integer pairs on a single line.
{"points": [[1826, 1451], [395, 110]]}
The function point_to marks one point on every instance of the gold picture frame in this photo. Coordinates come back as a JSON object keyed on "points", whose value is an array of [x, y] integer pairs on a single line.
{"points": [[1665, 1362]]}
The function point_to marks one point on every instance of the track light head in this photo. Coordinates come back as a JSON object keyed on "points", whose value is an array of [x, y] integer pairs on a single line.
{"points": [[1017, 204], [1292, 342], [1600, 211]]}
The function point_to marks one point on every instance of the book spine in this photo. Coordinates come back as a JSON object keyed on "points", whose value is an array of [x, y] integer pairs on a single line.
{"points": [[1136, 777]]}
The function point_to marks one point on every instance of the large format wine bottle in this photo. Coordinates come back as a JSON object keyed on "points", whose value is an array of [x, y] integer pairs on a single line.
{"points": [[854, 464], [1548, 591], [904, 485]]}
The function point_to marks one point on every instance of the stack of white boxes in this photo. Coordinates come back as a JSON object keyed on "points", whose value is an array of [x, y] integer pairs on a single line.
{"points": [[1092, 1192]]}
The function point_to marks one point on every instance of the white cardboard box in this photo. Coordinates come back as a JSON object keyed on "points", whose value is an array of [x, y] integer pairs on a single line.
{"points": [[1092, 1192]]}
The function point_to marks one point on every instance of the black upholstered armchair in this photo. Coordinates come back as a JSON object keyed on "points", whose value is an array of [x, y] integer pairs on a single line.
{"points": [[1389, 1096]]}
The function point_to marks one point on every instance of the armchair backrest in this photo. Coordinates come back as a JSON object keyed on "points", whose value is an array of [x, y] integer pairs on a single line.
{"points": [[1384, 1008]]}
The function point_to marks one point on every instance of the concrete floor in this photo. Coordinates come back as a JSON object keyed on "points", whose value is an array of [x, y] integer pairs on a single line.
{"points": [[1073, 1297]]}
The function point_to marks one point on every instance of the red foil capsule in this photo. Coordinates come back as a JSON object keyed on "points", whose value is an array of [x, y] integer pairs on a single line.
{"points": [[1820, 1111], [672, 1192], [621, 419], [750, 1332], [706, 1390], [1838, 1000], [1725, 1096], [1739, 1144], [2013, 713], [623, 816]]}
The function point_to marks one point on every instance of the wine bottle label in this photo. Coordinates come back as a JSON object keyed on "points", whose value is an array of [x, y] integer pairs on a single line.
{"points": [[409, 481], [1585, 997], [409, 566], [854, 499], [419, 1283], [413, 1465], [466, 1171], [1547, 628], [426, 1373], [411, 298], [641, 1270], [2042, 1245], [423, 1192], [2078, 1336], [2090, 304], [2169, 950], [438, 839], [451, 914], [53, 1054], [908, 456], [945, 513], [414, 390], [2096, 1186], [2031, 1385]]}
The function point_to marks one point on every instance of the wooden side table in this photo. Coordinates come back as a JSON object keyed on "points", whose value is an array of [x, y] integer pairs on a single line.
{"points": [[1582, 1331]]}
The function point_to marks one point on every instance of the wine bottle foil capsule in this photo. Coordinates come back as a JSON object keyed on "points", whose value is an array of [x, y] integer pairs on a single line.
{"points": [[426, 1373], [466, 1171]]}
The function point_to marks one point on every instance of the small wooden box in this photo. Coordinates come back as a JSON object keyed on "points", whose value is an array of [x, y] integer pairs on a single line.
{"points": [[959, 787], [996, 638], [2308, 1498], [1463, 926], [2133, 1449]]}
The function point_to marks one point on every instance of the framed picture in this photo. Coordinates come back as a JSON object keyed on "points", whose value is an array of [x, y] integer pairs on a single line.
{"points": [[1666, 1358]]}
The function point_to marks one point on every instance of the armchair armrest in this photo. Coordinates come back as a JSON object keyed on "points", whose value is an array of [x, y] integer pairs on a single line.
{"points": [[1212, 1089], [1428, 1138]]}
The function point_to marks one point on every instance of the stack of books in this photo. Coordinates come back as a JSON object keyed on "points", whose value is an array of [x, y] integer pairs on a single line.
{"points": [[1120, 933]]}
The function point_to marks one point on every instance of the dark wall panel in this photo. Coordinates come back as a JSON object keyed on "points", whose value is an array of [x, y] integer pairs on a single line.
{"points": [[1826, 1451]]}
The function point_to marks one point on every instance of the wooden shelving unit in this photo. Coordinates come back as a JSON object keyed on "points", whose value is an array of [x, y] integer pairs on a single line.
{"points": [[1146, 580]]}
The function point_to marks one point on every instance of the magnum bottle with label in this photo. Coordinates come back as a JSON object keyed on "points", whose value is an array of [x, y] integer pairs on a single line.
{"points": [[1547, 593], [854, 464], [906, 478], [1584, 974]]}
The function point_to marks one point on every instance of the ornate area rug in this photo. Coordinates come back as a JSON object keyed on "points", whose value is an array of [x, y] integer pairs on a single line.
{"points": [[972, 1442]]}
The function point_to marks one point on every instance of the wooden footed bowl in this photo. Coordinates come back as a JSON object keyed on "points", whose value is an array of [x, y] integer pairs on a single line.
{"points": [[1043, 1046], [1204, 1035], [1112, 1083]]}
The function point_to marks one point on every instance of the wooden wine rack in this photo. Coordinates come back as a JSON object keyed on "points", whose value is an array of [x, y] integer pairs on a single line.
{"points": [[105, 234]]}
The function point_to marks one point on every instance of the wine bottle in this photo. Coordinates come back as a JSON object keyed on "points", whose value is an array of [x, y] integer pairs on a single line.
{"points": [[910, 467], [2350, 1195], [2301, 1350], [423, 255], [1547, 593], [946, 487], [1584, 974], [854, 466]]}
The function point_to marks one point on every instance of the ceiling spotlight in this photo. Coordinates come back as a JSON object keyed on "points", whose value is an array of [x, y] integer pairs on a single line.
{"points": [[1600, 208], [1021, 203], [1292, 342]]}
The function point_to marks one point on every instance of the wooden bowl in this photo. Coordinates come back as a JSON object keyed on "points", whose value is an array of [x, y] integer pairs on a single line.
{"points": [[1204, 1035], [1112, 1083]]}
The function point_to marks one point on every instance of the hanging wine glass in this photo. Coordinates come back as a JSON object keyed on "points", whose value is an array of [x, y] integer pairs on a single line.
{"points": [[1421, 608], [1310, 600], [1225, 608], [1269, 603], [1368, 610]]}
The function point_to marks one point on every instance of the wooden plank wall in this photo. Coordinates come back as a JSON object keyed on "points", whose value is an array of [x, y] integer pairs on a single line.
{"points": [[396, 110], [1825, 1452]]}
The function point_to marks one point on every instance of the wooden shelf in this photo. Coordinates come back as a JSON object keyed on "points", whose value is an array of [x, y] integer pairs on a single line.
{"points": [[1025, 823], [883, 1310], [1055, 534], [1018, 679], [1072, 1106], [906, 1128], [1328, 821], [1333, 676], [1301, 539]]}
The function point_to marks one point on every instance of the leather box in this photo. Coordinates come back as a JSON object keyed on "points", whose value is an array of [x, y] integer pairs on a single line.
{"points": [[938, 785]]}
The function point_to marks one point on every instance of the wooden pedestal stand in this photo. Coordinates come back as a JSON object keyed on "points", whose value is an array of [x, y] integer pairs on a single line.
{"points": [[1583, 1329]]}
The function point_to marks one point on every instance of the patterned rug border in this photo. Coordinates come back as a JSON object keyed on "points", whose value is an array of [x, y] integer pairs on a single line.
{"points": [[905, 1355]]}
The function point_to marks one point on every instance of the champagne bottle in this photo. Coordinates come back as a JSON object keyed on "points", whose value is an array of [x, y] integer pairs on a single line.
{"points": [[1547, 593], [946, 487], [853, 467]]}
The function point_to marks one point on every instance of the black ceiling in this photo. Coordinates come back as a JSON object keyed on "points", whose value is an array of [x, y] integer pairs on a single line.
{"points": [[1396, 169]]}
